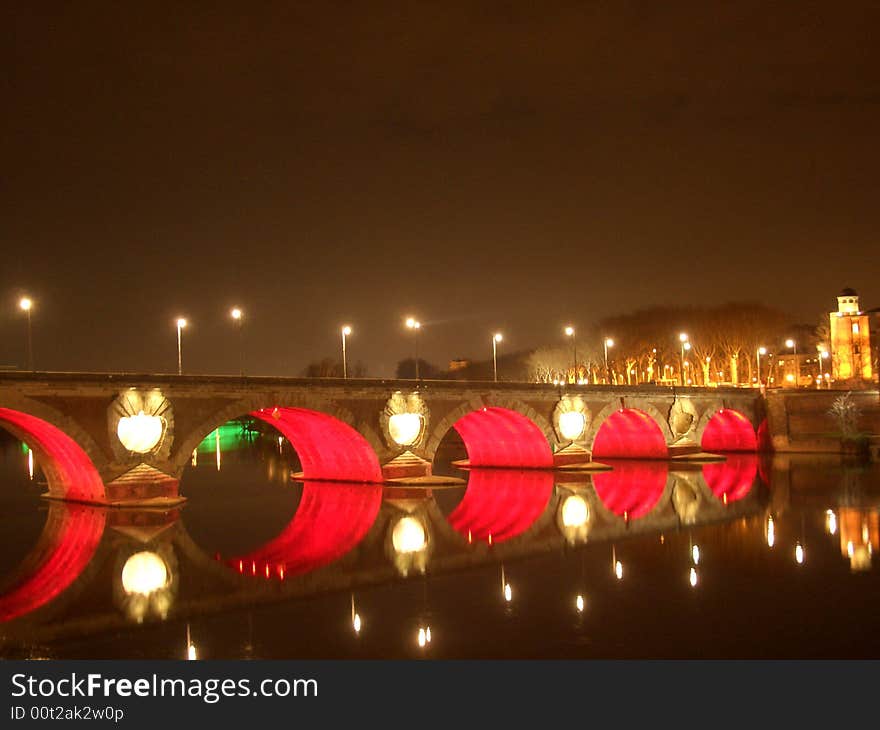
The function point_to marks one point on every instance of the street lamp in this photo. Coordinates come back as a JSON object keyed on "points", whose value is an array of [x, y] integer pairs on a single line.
{"points": [[607, 343], [760, 351], [415, 326], [181, 323], [569, 332], [237, 316], [346, 331], [792, 345], [26, 305], [685, 345], [495, 340]]}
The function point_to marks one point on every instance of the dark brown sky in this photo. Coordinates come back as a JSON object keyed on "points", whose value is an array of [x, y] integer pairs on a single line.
{"points": [[509, 165]]}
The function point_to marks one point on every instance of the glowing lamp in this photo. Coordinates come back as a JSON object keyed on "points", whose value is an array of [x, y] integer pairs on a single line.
{"points": [[236, 313], [191, 652], [618, 570], [508, 593], [575, 511], [423, 637], [181, 322], [569, 331], [356, 623], [144, 573], [25, 304], [498, 337], [405, 428], [695, 554], [789, 343], [572, 424], [140, 433], [346, 330], [799, 554], [579, 603], [693, 578], [408, 536]]}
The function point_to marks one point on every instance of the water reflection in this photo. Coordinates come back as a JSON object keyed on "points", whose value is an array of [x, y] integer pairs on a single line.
{"points": [[516, 563]]}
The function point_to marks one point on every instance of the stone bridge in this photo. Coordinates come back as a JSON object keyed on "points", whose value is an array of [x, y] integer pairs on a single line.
{"points": [[125, 439]]}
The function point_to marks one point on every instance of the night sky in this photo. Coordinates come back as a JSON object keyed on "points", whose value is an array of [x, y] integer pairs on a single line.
{"points": [[506, 165]]}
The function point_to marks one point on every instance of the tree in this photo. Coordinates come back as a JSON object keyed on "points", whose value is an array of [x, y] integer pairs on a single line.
{"points": [[330, 368], [406, 369]]}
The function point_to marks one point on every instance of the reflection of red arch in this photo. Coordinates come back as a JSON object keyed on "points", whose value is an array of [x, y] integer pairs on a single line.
{"points": [[499, 437], [501, 504], [68, 469], [329, 521], [631, 489], [328, 449], [630, 434], [732, 479], [729, 430], [68, 542]]}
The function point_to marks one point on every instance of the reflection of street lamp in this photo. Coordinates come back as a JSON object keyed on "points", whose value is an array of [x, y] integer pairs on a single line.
{"points": [[607, 343], [26, 305], [237, 315], [569, 332], [346, 331], [495, 340], [415, 326], [760, 351], [685, 345], [181, 323]]}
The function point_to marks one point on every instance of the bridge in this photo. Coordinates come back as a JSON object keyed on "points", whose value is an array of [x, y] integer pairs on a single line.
{"points": [[124, 439]]}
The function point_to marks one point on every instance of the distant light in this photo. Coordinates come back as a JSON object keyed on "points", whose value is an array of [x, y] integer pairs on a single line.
{"points": [[799, 554], [498, 337], [575, 511], [356, 623], [412, 323], [824, 354], [25, 304], [579, 603], [610, 343], [191, 652], [508, 593], [771, 532], [683, 337], [346, 330], [831, 522], [789, 343], [762, 350], [569, 331], [789, 378], [181, 322], [687, 345], [572, 424], [408, 536], [236, 313], [695, 554], [618, 570], [693, 578]]}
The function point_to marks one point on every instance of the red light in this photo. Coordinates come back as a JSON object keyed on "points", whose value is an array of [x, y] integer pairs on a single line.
{"points": [[629, 434], [729, 430], [632, 489], [499, 437]]}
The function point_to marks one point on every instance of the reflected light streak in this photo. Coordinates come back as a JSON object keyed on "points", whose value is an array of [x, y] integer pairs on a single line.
{"points": [[799, 554], [30, 459], [579, 603], [771, 532], [830, 522], [692, 578], [618, 570], [695, 554]]}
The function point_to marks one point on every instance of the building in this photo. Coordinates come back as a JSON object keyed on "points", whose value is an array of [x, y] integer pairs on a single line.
{"points": [[850, 331]]}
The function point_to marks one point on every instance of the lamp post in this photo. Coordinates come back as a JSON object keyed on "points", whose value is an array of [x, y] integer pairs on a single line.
{"points": [[823, 355], [496, 338], [237, 317], [181, 323], [26, 304], [685, 345], [760, 351], [415, 326], [608, 342], [346, 331], [792, 345], [569, 332]]}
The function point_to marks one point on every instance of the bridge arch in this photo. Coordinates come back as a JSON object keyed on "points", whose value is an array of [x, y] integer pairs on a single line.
{"points": [[726, 429], [66, 454], [629, 433], [505, 434], [732, 479], [632, 489], [329, 447]]}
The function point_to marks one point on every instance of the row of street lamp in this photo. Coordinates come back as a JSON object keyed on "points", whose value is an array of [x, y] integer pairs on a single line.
{"points": [[26, 304]]}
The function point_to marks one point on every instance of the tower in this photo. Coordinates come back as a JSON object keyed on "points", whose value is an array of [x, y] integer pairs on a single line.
{"points": [[850, 339]]}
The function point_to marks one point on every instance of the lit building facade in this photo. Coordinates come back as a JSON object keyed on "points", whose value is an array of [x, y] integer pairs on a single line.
{"points": [[850, 340]]}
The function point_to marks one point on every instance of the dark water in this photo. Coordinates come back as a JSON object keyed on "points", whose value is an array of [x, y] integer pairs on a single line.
{"points": [[257, 566]]}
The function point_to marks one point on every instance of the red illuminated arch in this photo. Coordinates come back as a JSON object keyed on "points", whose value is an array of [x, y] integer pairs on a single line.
{"points": [[499, 437], [630, 434], [68, 469], [68, 542], [501, 504], [331, 520], [732, 479], [329, 449], [631, 489], [729, 430]]}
